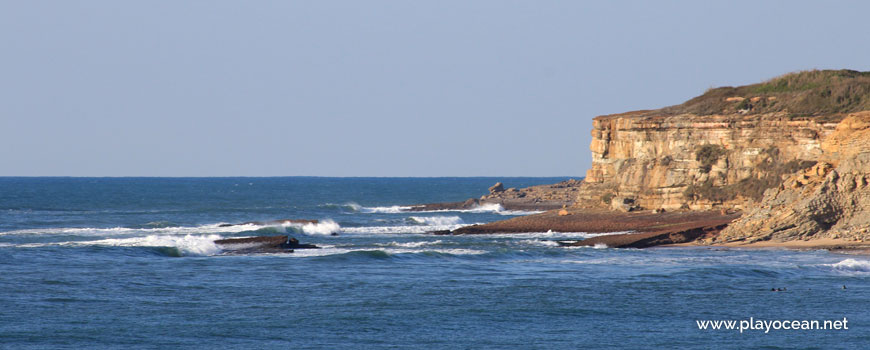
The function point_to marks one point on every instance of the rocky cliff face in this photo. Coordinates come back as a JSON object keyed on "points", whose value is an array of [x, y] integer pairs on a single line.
{"points": [[829, 200], [688, 161], [722, 149]]}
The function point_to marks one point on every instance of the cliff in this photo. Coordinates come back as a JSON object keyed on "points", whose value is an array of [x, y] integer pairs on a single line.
{"points": [[830, 200], [790, 157], [697, 162], [723, 149]]}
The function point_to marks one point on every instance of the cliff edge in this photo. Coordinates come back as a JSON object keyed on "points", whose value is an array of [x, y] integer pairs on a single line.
{"points": [[723, 149]]}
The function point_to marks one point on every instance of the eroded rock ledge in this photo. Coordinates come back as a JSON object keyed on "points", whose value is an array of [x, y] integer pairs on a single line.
{"points": [[830, 200]]}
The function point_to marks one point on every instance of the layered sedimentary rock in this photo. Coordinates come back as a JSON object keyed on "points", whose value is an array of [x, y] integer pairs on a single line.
{"points": [[697, 162], [722, 149], [829, 200]]}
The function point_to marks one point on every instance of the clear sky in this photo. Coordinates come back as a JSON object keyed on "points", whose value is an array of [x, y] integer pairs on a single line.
{"points": [[375, 88]]}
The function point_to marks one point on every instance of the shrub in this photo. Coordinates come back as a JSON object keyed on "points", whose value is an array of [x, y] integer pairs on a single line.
{"points": [[750, 187], [667, 160], [708, 155], [802, 94]]}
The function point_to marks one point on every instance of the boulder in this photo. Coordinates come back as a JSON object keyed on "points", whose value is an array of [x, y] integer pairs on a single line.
{"points": [[497, 188], [623, 204]]}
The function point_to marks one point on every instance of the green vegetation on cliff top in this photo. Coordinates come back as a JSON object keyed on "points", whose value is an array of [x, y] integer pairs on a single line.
{"points": [[807, 93]]}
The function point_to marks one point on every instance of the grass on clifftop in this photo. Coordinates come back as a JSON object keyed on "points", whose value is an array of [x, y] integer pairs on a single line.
{"points": [[807, 93]]}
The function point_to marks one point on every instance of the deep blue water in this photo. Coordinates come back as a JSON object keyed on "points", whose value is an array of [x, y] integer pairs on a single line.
{"points": [[131, 263]]}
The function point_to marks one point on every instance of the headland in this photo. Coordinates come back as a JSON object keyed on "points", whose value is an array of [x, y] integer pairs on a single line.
{"points": [[782, 163]]}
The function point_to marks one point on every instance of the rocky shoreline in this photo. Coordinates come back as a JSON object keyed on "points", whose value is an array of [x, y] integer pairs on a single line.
{"points": [[791, 153], [644, 229]]}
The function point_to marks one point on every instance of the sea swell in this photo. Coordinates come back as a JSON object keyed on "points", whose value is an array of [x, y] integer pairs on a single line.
{"points": [[493, 208]]}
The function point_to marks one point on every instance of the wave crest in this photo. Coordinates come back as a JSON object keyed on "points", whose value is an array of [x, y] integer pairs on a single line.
{"points": [[196, 245], [851, 265], [436, 220], [325, 227]]}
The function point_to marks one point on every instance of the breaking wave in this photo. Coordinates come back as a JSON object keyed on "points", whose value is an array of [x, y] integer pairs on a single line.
{"points": [[492, 208], [409, 229], [436, 220], [120, 231], [187, 245], [851, 266], [409, 244], [398, 209], [325, 227], [395, 209], [380, 252]]}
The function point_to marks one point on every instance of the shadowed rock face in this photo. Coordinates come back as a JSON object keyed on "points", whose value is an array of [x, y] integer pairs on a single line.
{"points": [[829, 200], [262, 244], [696, 162], [722, 149]]}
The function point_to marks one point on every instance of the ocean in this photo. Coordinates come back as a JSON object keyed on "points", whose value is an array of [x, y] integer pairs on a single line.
{"points": [[131, 263]]}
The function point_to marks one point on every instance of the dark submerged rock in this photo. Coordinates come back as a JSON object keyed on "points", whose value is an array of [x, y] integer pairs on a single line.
{"points": [[263, 244]]}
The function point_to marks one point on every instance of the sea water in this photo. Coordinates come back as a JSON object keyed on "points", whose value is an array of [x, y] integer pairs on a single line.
{"points": [[131, 263]]}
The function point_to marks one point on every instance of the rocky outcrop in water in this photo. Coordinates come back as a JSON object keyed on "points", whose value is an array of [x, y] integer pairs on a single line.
{"points": [[542, 197], [262, 244]]}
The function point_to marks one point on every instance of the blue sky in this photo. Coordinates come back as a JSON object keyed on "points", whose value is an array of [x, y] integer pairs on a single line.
{"points": [[375, 88]]}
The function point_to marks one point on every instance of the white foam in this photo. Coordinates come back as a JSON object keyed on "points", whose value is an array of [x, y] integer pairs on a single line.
{"points": [[486, 208], [409, 244], [437, 220], [324, 227], [304, 253], [482, 208], [412, 229], [395, 209], [551, 234], [498, 209], [187, 245], [539, 242], [851, 265], [120, 231], [453, 251]]}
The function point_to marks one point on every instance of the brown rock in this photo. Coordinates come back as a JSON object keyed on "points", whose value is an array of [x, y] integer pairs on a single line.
{"points": [[497, 188], [823, 201]]}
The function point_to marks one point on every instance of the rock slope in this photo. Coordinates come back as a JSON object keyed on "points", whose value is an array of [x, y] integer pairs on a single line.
{"points": [[829, 200]]}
